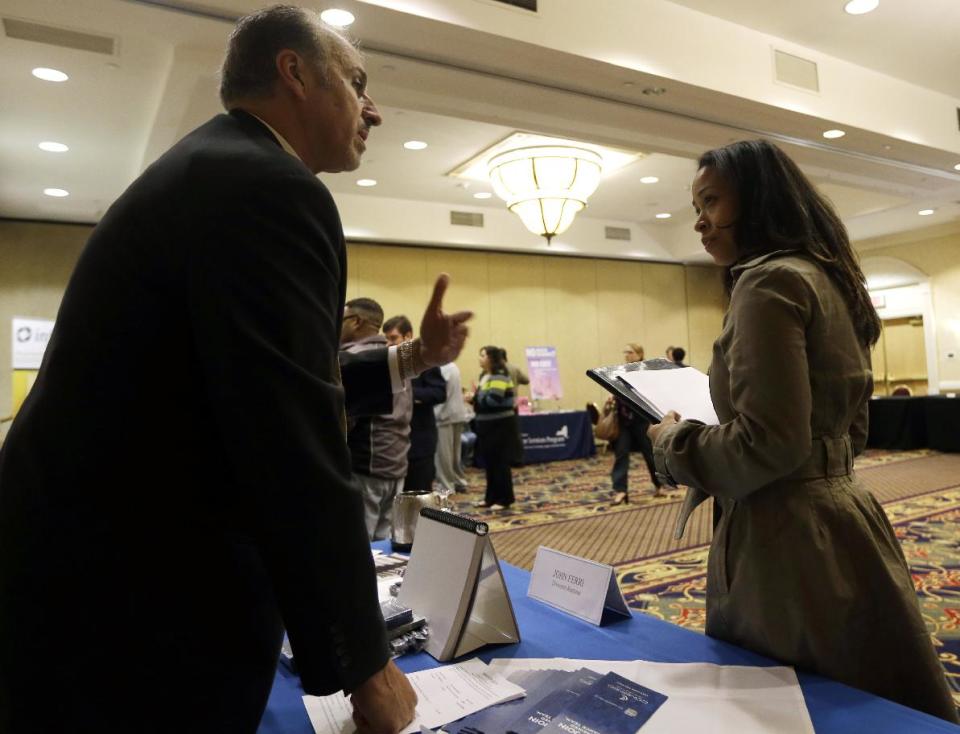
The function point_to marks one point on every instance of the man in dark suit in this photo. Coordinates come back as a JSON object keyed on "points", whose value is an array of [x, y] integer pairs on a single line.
{"points": [[176, 489]]}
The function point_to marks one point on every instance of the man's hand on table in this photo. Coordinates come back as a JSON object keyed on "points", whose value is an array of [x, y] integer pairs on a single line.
{"points": [[384, 703]]}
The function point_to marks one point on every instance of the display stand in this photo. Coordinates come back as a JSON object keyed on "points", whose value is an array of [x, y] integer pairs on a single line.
{"points": [[454, 580]]}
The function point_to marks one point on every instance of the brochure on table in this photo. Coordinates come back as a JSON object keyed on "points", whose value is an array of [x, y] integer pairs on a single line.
{"points": [[701, 697]]}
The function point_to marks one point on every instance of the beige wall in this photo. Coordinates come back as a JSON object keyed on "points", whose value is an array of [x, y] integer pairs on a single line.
{"points": [[936, 252], [35, 262], [587, 308]]}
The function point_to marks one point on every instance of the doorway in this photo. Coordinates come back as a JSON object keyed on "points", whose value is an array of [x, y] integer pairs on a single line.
{"points": [[900, 358]]}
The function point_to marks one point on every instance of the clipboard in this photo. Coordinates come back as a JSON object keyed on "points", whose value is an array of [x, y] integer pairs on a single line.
{"points": [[610, 378], [454, 580]]}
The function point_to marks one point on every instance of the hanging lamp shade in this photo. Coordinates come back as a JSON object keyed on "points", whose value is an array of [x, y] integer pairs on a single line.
{"points": [[546, 185]]}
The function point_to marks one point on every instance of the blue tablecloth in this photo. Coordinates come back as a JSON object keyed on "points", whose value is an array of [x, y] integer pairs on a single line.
{"points": [[556, 436], [566, 434], [546, 632]]}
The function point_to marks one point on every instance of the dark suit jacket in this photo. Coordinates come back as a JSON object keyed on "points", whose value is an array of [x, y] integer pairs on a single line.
{"points": [[176, 488], [429, 389]]}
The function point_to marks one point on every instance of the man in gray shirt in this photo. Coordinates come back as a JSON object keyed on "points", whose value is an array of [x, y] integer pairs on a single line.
{"points": [[378, 444]]}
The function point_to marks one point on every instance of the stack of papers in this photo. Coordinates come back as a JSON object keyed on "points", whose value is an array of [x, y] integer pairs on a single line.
{"points": [[656, 386], [444, 694], [685, 390]]}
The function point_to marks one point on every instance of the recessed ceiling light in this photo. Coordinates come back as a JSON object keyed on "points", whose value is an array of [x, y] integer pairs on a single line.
{"points": [[52, 147], [482, 195], [60, 193], [366, 182], [414, 145], [926, 212], [49, 75], [831, 134], [664, 215], [957, 167], [337, 17], [649, 179], [859, 7]]}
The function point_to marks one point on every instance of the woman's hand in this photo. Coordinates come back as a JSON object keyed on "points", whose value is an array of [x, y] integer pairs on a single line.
{"points": [[670, 419]]}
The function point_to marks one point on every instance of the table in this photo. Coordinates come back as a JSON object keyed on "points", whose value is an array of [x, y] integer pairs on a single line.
{"points": [[565, 434], [929, 421], [555, 436], [545, 632]]}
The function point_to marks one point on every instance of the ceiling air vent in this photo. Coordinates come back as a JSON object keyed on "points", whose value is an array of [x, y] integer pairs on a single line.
{"points": [[795, 71], [25, 30], [617, 233], [525, 4], [466, 219]]}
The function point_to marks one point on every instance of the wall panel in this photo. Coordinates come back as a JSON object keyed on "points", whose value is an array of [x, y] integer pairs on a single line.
{"points": [[705, 308], [518, 309], [571, 300], [664, 308]]}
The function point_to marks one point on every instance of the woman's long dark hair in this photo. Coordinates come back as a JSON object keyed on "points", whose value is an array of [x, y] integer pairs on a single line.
{"points": [[498, 360], [781, 210]]}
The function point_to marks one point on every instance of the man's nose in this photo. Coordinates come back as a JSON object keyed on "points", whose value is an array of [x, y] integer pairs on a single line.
{"points": [[371, 115]]}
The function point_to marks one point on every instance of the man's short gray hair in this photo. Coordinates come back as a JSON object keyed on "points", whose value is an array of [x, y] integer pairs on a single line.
{"points": [[249, 69]]}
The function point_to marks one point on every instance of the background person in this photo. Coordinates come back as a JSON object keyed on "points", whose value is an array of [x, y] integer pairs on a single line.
{"points": [[378, 444], [428, 390], [632, 436], [498, 428], [804, 566], [451, 417], [517, 375]]}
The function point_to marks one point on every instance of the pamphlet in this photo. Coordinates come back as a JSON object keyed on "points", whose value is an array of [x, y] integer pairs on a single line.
{"points": [[612, 705], [541, 713]]}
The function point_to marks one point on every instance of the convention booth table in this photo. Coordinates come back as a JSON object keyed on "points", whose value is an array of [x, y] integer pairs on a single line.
{"points": [[546, 632], [564, 434], [930, 421]]}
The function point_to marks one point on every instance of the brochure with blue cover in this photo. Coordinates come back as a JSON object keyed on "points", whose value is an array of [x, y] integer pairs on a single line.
{"points": [[612, 705], [541, 713]]}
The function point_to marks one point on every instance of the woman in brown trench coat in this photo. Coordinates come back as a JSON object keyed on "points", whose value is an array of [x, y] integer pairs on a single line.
{"points": [[804, 566]]}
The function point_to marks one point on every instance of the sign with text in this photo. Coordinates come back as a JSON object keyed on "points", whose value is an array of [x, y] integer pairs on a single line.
{"points": [[575, 585], [544, 373], [30, 337]]}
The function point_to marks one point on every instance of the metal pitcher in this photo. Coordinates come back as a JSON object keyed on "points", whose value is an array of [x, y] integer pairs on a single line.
{"points": [[406, 510]]}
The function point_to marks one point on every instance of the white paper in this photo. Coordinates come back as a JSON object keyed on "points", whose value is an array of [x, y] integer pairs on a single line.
{"points": [[702, 697], [685, 390], [444, 694]]}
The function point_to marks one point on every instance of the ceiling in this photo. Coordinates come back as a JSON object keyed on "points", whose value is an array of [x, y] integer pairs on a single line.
{"points": [[913, 40], [461, 92]]}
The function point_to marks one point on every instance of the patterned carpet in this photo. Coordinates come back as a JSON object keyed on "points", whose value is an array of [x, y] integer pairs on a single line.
{"points": [[565, 505]]}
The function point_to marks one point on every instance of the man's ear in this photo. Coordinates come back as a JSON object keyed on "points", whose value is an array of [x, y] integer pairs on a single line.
{"points": [[289, 72]]}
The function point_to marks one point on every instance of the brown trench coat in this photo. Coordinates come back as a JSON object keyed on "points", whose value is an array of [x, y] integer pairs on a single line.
{"points": [[804, 566]]}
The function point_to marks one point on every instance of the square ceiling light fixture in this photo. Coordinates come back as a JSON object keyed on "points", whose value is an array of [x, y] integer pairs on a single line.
{"points": [[544, 180]]}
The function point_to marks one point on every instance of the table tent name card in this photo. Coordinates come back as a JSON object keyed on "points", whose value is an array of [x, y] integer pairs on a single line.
{"points": [[585, 589]]}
